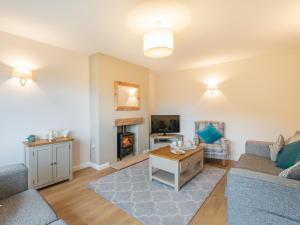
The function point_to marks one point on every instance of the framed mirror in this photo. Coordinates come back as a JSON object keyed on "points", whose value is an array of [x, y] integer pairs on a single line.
{"points": [[127, 96]]}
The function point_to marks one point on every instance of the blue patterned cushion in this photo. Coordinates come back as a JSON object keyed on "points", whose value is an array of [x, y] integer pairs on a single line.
{"points": [[292, 172], [209, 134]]}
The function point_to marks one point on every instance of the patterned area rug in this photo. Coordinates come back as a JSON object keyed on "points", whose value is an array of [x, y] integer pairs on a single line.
{"points": [[154, 203]]}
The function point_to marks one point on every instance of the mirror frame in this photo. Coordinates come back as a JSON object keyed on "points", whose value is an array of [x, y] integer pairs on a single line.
{"points": [[124, 107]]}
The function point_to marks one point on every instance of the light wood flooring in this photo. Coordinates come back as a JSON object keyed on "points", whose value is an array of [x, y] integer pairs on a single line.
{"points": [[78, 205], [129, 160]]}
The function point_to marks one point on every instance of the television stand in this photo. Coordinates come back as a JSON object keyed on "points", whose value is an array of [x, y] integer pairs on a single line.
{"points": [[161, 140]]}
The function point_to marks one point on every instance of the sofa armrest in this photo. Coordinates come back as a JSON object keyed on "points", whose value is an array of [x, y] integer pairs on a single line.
{"points": [[262, 197], [13, 180], [225, 143], [259, 148]]}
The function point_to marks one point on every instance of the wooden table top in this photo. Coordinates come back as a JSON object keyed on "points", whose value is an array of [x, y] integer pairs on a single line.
{"points": [[46, 142], [165, 152]]}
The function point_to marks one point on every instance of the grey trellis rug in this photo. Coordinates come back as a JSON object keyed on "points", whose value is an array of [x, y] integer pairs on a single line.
{"points": [[154, 203]]}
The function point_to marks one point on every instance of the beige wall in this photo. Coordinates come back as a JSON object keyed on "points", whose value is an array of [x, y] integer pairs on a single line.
{"points": [[57, 99], [104, 71], [258, 98]]}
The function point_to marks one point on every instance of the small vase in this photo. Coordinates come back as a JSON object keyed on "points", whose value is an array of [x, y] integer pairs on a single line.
{"points": [[50, 136]]}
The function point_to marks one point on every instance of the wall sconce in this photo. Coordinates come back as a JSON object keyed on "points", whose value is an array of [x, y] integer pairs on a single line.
{"points": [[23, 74], [212, 88], [132, 95]]}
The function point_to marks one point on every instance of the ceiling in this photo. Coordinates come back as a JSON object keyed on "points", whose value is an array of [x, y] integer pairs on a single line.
{"points": [[206, 31]]}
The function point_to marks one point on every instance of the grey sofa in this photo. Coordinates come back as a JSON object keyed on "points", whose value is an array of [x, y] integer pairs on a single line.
{"points": [[255, 193], [20, 206]]}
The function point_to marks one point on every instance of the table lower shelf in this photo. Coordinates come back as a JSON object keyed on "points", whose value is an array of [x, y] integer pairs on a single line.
{"points": [[164, 177], [169, 178]]}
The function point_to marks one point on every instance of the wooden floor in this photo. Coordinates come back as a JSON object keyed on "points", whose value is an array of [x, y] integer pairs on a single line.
{"points": [[129, 161], [78, 205]]}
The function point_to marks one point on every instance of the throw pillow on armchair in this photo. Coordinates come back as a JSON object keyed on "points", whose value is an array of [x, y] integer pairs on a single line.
{"points": [[209, 134]]}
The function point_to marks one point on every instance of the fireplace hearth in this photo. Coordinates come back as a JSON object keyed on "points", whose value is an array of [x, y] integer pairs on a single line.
{"points": [[125, 143]]}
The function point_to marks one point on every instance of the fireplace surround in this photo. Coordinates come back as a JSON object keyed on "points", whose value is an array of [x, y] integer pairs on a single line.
{"points": [[128, 133]]}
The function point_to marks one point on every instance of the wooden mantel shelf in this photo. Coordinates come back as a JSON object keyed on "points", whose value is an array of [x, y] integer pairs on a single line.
{"points": [[129, 121]]}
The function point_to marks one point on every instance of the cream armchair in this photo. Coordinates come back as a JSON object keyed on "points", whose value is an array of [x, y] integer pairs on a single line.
{"points": [[217, 150]]}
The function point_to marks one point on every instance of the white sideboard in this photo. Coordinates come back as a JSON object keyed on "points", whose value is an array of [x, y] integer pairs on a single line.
{"points": [[48, 162]]}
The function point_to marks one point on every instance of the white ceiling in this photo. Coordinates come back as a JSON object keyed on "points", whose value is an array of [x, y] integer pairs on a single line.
{"points": [[206, 31]]}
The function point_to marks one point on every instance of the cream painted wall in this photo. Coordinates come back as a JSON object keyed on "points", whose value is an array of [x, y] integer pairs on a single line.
{"points": [[57, 99], [104, 70], [258, 97]]}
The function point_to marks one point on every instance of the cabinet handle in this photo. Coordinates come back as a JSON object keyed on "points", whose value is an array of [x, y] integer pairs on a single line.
{"points": [[52, 164]]}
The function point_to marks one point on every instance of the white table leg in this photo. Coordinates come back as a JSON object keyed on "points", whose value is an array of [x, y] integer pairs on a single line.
{"points": [[150, 169], [201, 164], [177, 178]]}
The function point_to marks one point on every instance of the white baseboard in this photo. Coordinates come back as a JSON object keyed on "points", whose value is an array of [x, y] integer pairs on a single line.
{"points": [[90, 164], [99, 167], [146, 151], [81, 166]]}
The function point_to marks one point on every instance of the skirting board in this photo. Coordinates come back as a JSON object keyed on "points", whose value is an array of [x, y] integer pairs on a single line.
{"points": [[92, 165]]}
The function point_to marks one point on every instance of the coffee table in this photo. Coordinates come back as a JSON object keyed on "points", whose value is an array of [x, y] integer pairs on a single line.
{"points": [[175, 170]]}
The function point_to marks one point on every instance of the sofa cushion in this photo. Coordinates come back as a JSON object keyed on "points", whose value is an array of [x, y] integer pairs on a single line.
{"points": [[292, 172], [294, 138], [258, 164], [289, 155], [276, 147], [26, 208]]}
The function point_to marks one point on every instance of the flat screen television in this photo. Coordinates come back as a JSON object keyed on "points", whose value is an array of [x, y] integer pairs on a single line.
{"points": [[165, 124]]}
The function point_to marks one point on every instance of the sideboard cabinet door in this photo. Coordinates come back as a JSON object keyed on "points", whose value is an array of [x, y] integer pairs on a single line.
{"points": [[61, 160], [44, 164]]}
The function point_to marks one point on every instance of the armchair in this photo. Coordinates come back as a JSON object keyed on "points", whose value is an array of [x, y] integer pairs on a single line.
{"points": [[217, 150]]}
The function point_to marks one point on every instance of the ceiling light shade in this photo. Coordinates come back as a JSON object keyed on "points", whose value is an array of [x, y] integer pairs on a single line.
{"points": [[158, 43], [22, 73]]}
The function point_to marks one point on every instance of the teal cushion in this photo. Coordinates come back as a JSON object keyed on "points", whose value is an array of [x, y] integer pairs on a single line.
{"points": [[289, 155], [209, 134]]}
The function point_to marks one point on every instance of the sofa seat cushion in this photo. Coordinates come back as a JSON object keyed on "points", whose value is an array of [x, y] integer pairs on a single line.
{"points": [[26, 208], [258, 164], [212, 148]]}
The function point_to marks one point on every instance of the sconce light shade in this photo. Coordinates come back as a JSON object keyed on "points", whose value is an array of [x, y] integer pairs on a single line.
{"points": [[212, 88], [22, 73], [158, 43]]}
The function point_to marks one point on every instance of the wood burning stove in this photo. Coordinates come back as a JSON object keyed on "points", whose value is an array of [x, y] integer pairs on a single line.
{"points": [[125, 143]]}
